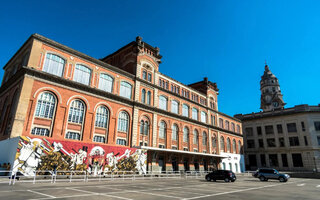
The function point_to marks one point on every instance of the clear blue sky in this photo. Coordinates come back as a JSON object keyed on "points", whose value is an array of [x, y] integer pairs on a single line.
{"points": [[227, 41]]}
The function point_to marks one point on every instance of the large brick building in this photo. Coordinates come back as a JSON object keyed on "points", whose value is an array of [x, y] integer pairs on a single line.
{"points": [[52, 94]]}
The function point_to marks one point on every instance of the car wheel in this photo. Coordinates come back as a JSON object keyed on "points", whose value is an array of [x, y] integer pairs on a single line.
{"points": [[208, 178], [214, 180], [262, 178], [226, 180], [233, 180], [281, 179]]}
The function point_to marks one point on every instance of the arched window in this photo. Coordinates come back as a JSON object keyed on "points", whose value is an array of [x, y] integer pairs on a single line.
{"points": [[125, 89], [214, 142], [234, 150], [105, 82], [195, 137], [82, 74], [185, 134], [54, 65], [185, 110], [102, 117], [220, 123], [213, 120], [194, 114], [204, 138], [162, 130], [143, 96], [3, 111], [228, 145], [227, 125], [146, 128], [123, 122], [223, 165], [203, 117], [221, 143], [238, 129], [46, 105], [163, 102], [149, 98], [174, 106], [76, 112], [232, 127], [239, 147], [175, 134], [141, 127]]}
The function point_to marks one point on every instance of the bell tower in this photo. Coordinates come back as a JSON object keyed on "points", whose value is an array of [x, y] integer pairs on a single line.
{"points": [[271, 97]]}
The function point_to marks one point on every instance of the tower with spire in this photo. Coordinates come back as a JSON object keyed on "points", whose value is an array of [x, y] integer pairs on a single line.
{"points": [[271, 97]]}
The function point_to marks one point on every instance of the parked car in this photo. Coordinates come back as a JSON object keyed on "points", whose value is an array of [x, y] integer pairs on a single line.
{"points": [[225, 175], [267, 173]]}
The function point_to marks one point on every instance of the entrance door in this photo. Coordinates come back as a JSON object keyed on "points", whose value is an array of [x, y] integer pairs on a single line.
{"points": [[205, 165], [162, 165], [196, 166], [186, 165], [175, 167]]}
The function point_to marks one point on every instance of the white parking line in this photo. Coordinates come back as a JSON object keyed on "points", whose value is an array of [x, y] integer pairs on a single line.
{"points": [[302, 184], [53, 197], [103, 194], [318, 186]]}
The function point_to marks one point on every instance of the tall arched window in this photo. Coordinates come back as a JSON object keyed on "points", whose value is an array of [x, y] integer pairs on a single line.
{"points": [[82, 74], [54, 65], [141, 127], [232, 127], [149, 98], [105, 82], [213, 120], [185, 110], [220, 123], [125, 89], [102, 117], [174, 106], [194, 114], [143, 96], [46, 105], [195, 137], [227, 125], [204, 138], [163, 103], [239, 147], [123, 122], [76, 112], [185, 134], [221, 143], [203, 117], [228, 145], [175, 134], [238, 129], [214, 142], [234, 149], [146, 128], [162, 130]]}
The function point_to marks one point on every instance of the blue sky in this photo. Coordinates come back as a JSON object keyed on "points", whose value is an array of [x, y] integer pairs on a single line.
{"points": [[226, 41]]}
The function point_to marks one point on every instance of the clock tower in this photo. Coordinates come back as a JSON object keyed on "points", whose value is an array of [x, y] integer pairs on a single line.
{"points": [[271, 97]]}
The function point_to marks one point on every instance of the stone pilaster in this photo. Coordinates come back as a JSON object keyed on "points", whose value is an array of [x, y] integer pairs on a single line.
{"points": [[135, 127], [137, 91], [154, 129]]}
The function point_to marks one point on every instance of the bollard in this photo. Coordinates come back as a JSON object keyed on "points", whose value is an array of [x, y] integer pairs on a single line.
{"points": [[71, 176]]}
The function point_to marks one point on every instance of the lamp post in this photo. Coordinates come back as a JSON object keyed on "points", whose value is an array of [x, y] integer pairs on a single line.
{"points": [[315, 163]]}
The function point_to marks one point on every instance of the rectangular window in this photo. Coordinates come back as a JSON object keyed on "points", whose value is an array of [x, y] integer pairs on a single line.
{"points": [[318, 137], [292, 128], [269, 129], [263, 160], [121, 142], [203, 117], [305, 140], [149, 77], [259, 130], [185, 110], [252, 160], [250, 144], [303, 127], [98, 138], [279, 128], [271, 142], [273, 160], [261, 143], [249, 131], [317, 126], [281, 142], [144, 75], [294, 141], [297, 160], [284, 160]]}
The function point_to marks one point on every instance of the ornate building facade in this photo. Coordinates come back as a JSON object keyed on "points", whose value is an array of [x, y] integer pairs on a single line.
{"points": [[56, 98]]}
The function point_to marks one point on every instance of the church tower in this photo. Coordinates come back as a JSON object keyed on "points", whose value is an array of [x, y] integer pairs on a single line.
{"points": [[271, 97]]}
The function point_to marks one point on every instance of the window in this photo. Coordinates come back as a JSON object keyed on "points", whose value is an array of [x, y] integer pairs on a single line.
{"points": [[99, 138], [305, 141], [105, 82], [252, 160], [144, 75], [269, 129], [259, 130], [232, 127], [102, 117], [185, 134], [263, 160], [220, 123], [238, 128], [194, 114], [175, 134], [82, 74], [204, 139], [317, 126], [40, 131], [143, 96], [121, 142], [249, 131], [273, 159], [45, 105], [214, 142], [125, 89], [239, 146], [224, 166], [261, 145], [284, 160], [162, 130], [234, 148], [227, 125], [73, 135], [297, 160], [146, 128], [250, 144], [213, 120], [174, 107], [294, 141], [161, 146], [185, 110], [163, 103], [54, 65], [271, 142], [228, 145], [142, 127], [123, 122], [203, 117], [221, 143], [76, 112], [149, 98], [318, 138], [303, 127], [195, 137], [292, 128], [149, 77], [281, 142], [279, 128]]}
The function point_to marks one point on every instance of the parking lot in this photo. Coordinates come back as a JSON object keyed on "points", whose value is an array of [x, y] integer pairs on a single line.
{"points": [[244, 188]]}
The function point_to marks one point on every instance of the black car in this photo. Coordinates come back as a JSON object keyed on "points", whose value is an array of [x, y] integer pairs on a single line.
{"points": [[225, 175], [267, 173]]}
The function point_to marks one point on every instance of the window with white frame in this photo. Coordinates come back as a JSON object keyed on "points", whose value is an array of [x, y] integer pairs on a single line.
{"points": [[144, 127], [99, 138], [73, 135], [46, 105], [121, 142], [40, 131], [203, 117], [102, 117], [195, 137], [163, 102], [194, 114], [185, 134], [54, 64], [214, 142], [204, 138], [105, 82], [174, 106], [125, 89], [162, 130], [143, 96], [123, 122], [185, 110], [76, 112], [175, 134], [82, 74], [149, 98]]}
